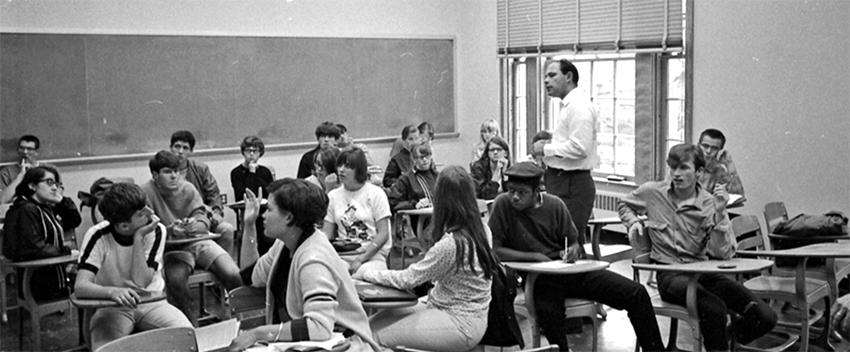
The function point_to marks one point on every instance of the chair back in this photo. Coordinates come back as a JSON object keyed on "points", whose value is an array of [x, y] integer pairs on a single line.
{"points": [[248, 305], [748, 233], [165, 339], [774, 213]]}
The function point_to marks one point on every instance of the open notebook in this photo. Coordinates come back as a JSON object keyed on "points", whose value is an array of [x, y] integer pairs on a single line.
{"points": [[217, 337], [378, 293]]}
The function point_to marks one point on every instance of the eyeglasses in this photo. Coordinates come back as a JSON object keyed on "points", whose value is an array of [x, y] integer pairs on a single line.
{"points": [[252, 151], [51, 182], [493, 149], [26, 149]]}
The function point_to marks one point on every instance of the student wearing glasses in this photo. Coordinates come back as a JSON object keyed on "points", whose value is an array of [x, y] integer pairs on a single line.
{"points": [[11, 176], [34, 228], [489, 171], [251, 175]]}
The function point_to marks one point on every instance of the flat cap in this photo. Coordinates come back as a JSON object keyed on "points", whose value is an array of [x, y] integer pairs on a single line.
{"points": [[524, 170]]}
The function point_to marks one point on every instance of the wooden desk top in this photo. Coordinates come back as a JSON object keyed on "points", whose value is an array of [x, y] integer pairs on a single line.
{"points": [[187, 240], [558, 267], [817, 250], [86, 303], [65, 259], [422, 211], [729, 266], [777, 236]]}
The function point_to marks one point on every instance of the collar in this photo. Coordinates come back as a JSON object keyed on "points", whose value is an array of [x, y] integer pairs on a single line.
{"points": [[572, 95], [699, 199], [123, 241]]}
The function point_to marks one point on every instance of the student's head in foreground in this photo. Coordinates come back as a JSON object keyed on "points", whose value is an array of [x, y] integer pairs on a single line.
{"points": [[42, 184], [711, 141], [124, 205], [294, 208], [352, 168], [182, 144], [456, 211], [523, 186], [28, 148], [327, 134], [686, 163], [252, 148], [164, 169]]}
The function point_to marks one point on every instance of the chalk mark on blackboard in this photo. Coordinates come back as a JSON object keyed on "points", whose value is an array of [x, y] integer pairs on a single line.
{"points": [[442, 74], [414, 94], [406, 54], [154, 102]]}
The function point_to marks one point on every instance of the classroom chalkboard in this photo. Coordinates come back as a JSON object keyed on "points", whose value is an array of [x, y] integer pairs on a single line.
{"points": [[98, 95]]}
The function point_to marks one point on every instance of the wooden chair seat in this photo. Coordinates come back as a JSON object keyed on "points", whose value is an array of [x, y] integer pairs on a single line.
{"points": [[166, 339], [610, 252], [248, 305], [202, 278], [775, 287]]}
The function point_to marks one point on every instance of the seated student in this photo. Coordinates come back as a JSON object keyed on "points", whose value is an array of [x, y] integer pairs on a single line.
{"points": [[122, 258], [327, 134], [719, 168], [11, 175], [312, 291], [251, 175], [687, 224], [489, 171], [489, 129], [324, 174], [426, 132], [33, 229], [840, 315], [542, 135], [401, 162], [460, 264], [359, 211], [346, 141], [179, 206], [531, 226], [415, 189], [199, 175]]}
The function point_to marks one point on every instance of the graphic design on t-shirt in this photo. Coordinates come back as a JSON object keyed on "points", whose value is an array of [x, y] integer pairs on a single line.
{"points": [[354, 227]]}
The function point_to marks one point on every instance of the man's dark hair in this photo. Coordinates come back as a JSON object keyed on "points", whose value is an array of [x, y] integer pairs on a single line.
{"points": [[327, 128], [121, 201], [307, 202], [713, 134], [542, 134], [183, 136], [342, 128], [682, 153], [30, 138], [163, 159], [354, 159], [426, 129], [253, 141], [34, 175], [407, 129], [567, 66]]}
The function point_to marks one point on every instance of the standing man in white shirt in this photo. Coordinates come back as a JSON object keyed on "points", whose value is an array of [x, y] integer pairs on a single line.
{"points": [[571, 153]]}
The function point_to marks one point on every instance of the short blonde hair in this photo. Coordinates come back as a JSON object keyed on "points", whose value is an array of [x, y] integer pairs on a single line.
{"points": [[489, 125]]}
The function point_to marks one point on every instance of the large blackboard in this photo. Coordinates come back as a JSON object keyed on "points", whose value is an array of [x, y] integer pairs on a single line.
{"points": [[96, 95]]}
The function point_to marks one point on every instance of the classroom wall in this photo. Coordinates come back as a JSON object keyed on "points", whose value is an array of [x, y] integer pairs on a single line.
{"points": [[472, 23], [774, 77]]}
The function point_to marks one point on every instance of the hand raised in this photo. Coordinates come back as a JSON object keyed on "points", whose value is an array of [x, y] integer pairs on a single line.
{"points": [[252, 205]]}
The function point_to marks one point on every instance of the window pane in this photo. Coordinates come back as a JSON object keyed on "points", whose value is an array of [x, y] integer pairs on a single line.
{"points": [[583, 68], [603, 79], [676, 78], [625, 156], [625, 79], [605, 111], [605, 150], [626, 117], [676, 121]]}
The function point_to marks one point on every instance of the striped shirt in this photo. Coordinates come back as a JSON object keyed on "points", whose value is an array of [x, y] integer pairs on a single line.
{"points": [[108, 255]]}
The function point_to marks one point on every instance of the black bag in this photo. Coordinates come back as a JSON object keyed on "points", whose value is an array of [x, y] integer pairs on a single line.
{"points": [[833, 223], [502, 326]]}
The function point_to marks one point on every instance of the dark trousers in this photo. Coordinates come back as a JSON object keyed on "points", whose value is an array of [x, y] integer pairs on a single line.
{"points": [[605, 287], [716, 295], [577, 190]]}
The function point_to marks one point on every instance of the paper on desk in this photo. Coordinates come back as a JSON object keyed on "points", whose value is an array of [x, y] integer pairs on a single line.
{"points": [[734, 198], [556, 264], [300, 345], [217, 336]]}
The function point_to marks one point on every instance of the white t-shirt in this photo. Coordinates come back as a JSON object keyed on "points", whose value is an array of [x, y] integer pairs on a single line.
{"points": [[357, 213], [110, 260]]}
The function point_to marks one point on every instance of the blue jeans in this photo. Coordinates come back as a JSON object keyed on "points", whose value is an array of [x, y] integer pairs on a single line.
{"points": [[427, 328], [716, 295]]}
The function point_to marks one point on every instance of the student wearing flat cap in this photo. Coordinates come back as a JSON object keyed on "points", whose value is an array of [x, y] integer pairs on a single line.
{"points": [[529, 226]]}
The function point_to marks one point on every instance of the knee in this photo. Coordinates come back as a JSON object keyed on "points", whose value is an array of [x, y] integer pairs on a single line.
{"points": [[226, 270], [225, 229], [177, 274], [713, 314]]}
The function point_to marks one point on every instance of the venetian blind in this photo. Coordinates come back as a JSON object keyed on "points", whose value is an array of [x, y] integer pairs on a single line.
{"points": [[584, 25]]}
